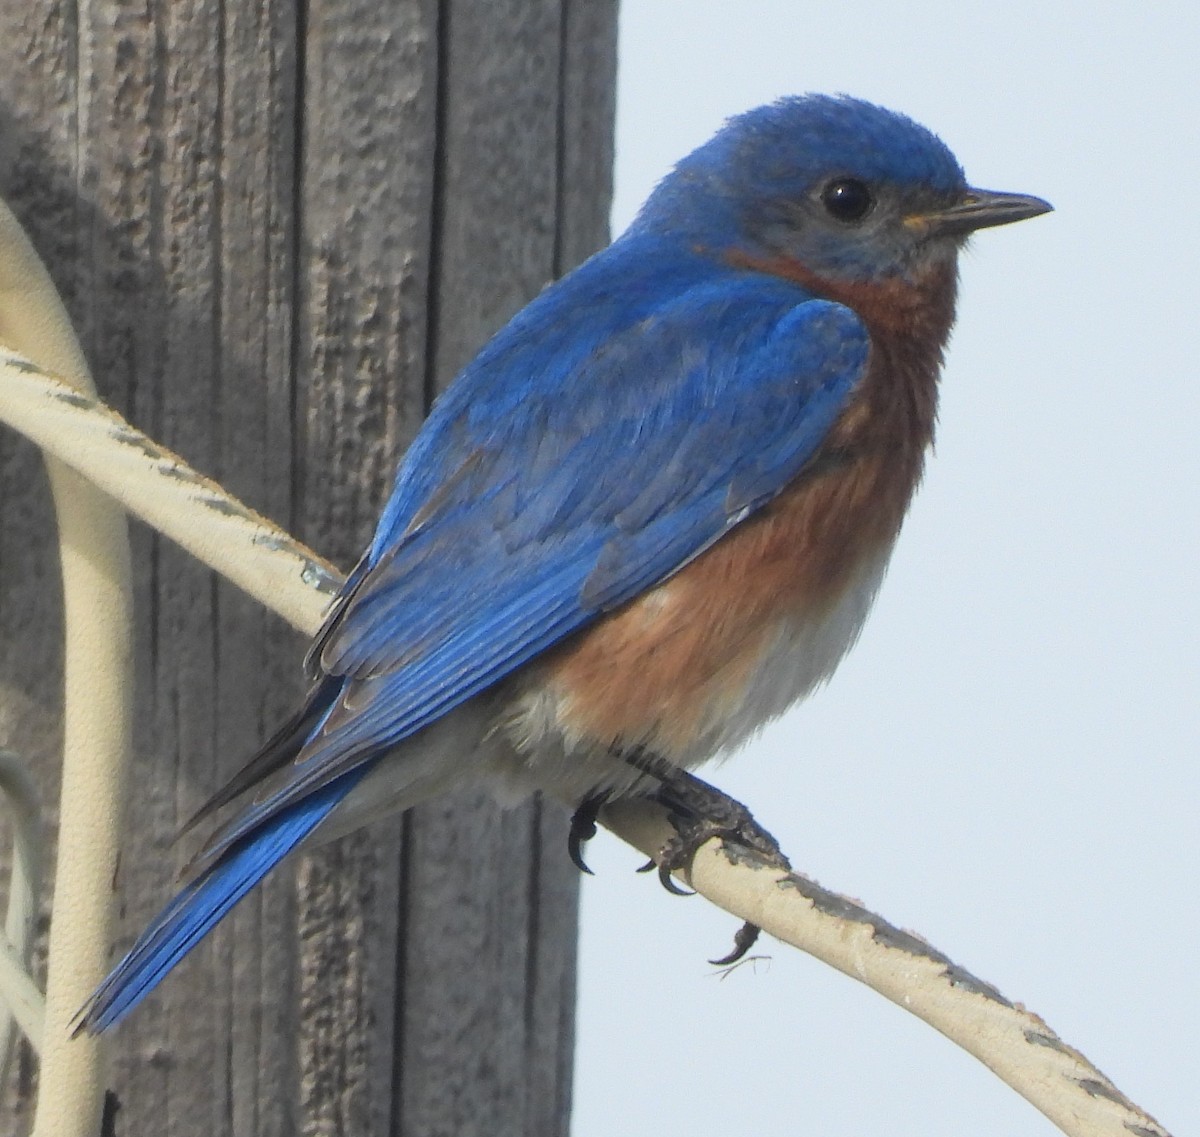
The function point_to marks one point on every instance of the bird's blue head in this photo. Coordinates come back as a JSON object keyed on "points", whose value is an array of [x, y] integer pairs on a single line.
{"points": [[848, 190]]}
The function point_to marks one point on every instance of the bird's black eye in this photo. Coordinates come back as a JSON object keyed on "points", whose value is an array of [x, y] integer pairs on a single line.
{"points": [[847, 199]]}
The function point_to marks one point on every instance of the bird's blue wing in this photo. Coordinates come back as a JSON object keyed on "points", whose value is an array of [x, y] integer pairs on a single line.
{"points": [[560, 496], [602, 440]]}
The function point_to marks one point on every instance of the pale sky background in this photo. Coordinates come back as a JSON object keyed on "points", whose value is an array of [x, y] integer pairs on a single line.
{"points": [[1007, 763]]}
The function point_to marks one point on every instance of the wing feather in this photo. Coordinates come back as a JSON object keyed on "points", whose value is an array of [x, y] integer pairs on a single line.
{"points": [[699, 434]]}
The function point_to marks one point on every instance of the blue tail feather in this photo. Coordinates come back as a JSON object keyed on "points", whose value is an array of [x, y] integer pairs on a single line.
{"points": [[202, 903]]}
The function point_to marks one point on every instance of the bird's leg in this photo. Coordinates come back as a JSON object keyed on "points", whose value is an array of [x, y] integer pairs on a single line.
{"points": [[583, 828], [698, 811]]}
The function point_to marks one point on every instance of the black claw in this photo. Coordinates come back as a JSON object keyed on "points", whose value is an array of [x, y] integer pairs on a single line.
{"points": [[583, 829], [743, 941], [668, 882], [649, 866]]}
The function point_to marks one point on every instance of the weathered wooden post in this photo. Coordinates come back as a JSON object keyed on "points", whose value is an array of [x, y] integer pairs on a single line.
{"points": [[279, 228]]}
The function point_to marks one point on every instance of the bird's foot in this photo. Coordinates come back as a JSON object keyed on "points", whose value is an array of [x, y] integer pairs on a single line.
{"points": [[698, 812]]}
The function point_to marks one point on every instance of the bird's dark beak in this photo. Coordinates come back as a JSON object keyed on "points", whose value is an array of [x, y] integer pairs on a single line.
{"points": [[979, 209]]}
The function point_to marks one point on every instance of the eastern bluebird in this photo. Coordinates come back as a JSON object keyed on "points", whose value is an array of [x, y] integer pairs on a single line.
{"points": [[647, 518]]}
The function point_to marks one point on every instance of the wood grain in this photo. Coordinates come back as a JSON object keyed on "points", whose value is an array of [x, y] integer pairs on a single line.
{"points": [[279, 229]]}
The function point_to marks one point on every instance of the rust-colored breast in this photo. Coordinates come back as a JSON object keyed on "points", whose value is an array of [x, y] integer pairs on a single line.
{"points": [[653, 671]]}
